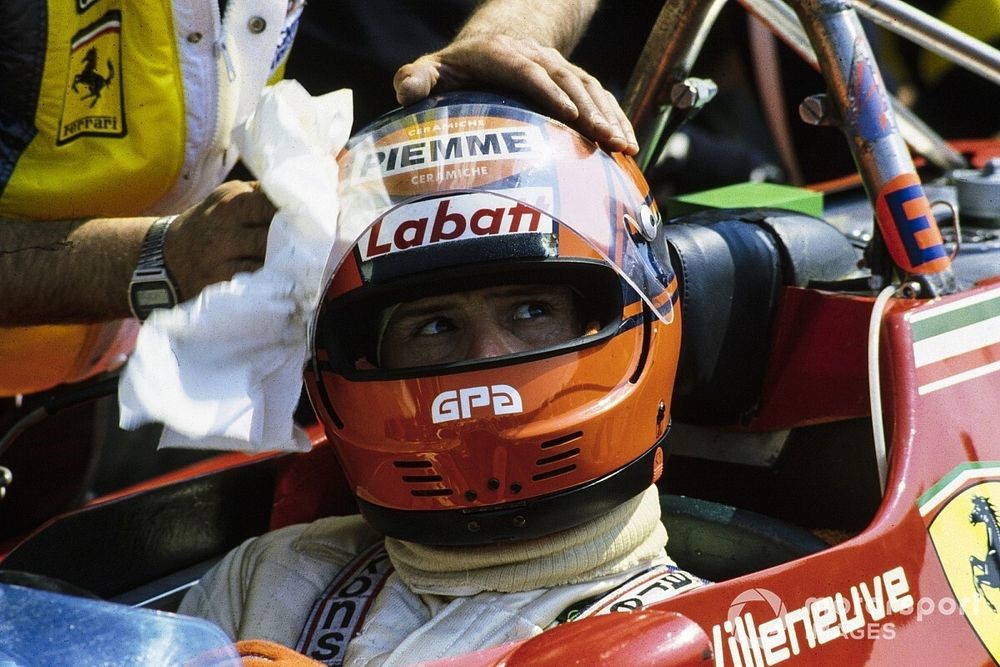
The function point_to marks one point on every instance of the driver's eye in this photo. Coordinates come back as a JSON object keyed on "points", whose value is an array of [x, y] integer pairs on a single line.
{"points": [[527, 311], [435, 326]]}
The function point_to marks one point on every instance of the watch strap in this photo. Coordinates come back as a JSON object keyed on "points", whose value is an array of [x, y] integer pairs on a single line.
{"points": [[151, 286]]}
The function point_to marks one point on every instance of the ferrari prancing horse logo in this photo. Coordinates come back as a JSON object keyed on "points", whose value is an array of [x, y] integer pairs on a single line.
{"points": [[961, 518], [986, 570], [93, 102], [90, 79]]}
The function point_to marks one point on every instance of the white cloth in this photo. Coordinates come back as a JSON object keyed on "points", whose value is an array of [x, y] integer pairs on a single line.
{"points": [[224, 370], [267, 586]]}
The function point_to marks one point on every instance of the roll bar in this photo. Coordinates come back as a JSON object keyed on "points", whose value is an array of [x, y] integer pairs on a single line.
{"points": [[829, 34]]}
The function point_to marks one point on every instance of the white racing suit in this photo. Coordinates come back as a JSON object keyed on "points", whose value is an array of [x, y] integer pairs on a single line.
{"points": [[437, 601]]}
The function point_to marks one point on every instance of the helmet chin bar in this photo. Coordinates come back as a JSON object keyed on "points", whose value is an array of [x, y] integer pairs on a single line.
{"points": [[525, 520]]}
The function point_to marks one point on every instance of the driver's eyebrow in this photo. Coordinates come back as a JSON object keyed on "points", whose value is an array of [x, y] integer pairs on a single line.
{"points": [[419, 310]]}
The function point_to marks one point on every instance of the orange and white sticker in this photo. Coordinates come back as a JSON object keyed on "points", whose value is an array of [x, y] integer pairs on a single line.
{"points": [[443, 152]]}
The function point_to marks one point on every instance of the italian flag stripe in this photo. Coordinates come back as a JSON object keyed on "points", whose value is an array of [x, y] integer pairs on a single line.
{"points": [[90, 36], [960, 363], [956, 342], [961, 475], [934, 325]]}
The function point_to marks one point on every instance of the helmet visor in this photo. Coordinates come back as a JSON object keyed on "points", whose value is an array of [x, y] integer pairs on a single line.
{"points": [[470, 171], [451, 318]]}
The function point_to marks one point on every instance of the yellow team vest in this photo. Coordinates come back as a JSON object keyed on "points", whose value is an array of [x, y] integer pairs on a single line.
{"points": [[119, 132]]}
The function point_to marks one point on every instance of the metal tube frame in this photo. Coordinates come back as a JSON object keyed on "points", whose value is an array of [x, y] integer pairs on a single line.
{"points": [[934, 35], [862, 103], [782, 21], [666, 59], [855, 85]]}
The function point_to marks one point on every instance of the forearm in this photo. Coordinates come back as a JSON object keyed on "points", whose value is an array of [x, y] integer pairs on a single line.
{"points": [[556, 23], [67, 271], [78, 271]]}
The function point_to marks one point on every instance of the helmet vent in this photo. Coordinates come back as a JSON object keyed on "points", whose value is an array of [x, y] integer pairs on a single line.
{"points": [[557, 456], [422, 478], [426, 476], [412, 464], [561, 456], [549, 474], [561, 440], [431, 492]]}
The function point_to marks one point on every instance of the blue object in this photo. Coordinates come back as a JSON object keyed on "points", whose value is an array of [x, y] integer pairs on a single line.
{"points": [[43, 629]]}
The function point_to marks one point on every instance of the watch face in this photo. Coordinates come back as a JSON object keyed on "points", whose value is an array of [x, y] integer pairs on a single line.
{"points": [[152, 297], [145, 297]]}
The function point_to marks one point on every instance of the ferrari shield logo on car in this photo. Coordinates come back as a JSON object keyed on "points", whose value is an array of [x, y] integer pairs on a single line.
{"points": [[961, 516], [92, 100]]}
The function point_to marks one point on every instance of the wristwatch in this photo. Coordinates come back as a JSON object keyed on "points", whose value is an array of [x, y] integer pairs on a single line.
{"points": [[151, 286]]}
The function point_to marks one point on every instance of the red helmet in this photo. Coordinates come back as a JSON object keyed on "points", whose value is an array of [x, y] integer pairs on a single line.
{"points": [[470, 191]]}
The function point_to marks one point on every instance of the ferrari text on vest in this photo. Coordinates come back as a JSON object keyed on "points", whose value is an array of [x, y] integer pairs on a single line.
{"points": [[91, 123]]}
